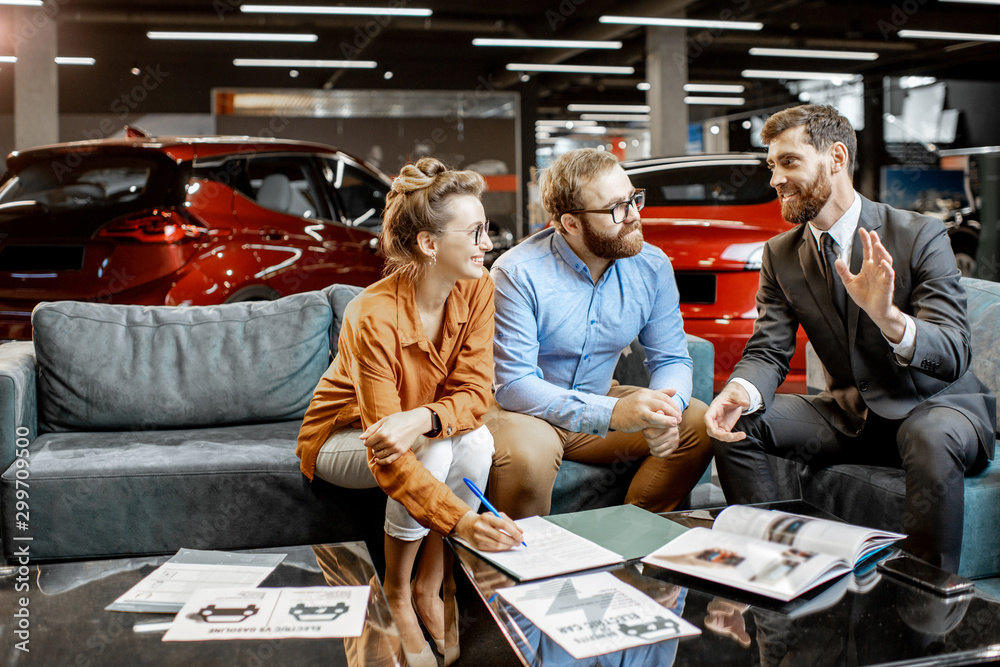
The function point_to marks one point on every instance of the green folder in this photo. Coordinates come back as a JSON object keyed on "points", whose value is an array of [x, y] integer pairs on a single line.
{"points": [[627, 530]]}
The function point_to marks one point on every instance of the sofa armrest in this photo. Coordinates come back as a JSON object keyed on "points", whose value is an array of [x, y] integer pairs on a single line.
{"points": [[18, 398], [631, 369], [703, 375]]}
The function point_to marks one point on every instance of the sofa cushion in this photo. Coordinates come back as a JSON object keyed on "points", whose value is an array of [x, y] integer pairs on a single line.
{"points": [[874, 496], [121, 493], [984, 315], [339, 296], [112, 367]]}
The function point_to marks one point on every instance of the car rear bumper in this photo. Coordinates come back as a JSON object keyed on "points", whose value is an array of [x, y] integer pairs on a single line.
{"points": [[730, 336]]}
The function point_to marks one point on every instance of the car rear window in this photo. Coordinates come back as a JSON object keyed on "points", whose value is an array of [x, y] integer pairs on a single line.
{"points": [[720, 183], [80, 181], [361, 196]]}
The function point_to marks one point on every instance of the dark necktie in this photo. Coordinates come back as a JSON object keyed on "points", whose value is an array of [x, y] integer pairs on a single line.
{"points": [[834, 285]]}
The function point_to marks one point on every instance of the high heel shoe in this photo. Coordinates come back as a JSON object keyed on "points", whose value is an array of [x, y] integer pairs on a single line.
{"points": [[423, 659], [450, 653]]}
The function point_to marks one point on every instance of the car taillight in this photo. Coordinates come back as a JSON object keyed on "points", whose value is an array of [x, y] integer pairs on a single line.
{"points": [[158, 225]]}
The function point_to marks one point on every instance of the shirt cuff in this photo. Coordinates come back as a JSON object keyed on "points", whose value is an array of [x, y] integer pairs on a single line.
{"points": [[905, 348], [755, 399], [598, 413]]}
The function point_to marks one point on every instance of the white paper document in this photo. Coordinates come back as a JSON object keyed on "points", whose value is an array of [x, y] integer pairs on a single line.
{"points": [[551, 550], [271, 613], [594, 614], [168, 587]]}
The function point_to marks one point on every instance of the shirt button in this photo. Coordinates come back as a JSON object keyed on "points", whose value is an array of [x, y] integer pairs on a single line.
{"points": [[586, 356], [593, 321], [595, 431], [863, 386]]}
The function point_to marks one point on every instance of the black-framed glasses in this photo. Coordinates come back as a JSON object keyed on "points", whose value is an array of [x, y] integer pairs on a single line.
{"points": [[477, 233], [619, 211]]}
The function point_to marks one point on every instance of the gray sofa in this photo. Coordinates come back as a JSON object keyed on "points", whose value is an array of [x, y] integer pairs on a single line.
{"points": [[131, 430], [874, 496]]}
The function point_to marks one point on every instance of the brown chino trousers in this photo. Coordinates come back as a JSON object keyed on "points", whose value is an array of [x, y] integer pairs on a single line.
{"points": [[529, 452]]}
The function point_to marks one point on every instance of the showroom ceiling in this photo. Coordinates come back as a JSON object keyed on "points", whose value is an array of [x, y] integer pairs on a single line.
{"points": [[437, 52]]}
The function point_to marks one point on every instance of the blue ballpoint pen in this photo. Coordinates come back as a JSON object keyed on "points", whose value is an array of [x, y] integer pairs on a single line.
{"points": [[479, 494]]}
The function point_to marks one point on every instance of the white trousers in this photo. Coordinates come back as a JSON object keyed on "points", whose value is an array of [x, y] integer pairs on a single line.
{"points": [[343, 460]]}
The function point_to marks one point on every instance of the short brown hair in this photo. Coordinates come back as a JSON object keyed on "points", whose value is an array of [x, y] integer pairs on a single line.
{"points": [[560, 184], [824, 127], [418, 202]]}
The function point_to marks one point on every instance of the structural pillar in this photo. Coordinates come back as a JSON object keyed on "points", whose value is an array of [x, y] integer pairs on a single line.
{"points": [[871, 143], [526, 117], [36, 81], [667, 69]]}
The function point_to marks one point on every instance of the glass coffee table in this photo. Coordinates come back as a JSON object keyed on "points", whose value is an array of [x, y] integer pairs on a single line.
{"points": [[855, 620], [67, 623]]}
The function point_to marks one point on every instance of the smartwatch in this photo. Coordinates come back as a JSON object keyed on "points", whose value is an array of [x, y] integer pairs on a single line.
{"points": [[435, 426]]}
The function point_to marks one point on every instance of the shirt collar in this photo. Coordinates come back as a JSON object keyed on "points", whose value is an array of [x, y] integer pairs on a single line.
{"points": [[456, 312], [843, 230], [568, 255]]}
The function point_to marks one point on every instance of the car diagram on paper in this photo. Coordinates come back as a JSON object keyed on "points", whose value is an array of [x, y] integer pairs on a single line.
{"points": [[594, 614], [271, 613]]}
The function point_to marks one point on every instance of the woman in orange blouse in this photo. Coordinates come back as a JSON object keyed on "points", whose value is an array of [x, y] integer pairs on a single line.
{"points": [[401, 405]]}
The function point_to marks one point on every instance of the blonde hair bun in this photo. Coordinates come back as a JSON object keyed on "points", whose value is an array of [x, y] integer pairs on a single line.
{"points": [[418, 176]]}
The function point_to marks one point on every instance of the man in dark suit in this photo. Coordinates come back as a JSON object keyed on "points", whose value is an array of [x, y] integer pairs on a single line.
{"points": [[882, 304]]}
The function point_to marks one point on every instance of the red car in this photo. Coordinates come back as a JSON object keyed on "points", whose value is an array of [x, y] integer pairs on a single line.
{"points": [[179, 221], [712, 215]]}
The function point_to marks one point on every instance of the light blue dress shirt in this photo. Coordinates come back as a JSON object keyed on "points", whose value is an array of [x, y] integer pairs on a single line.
{"points": [[559, 336]]}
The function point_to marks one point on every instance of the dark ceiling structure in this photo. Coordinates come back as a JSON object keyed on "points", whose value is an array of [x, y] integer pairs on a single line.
{"points": [[436, 52]]}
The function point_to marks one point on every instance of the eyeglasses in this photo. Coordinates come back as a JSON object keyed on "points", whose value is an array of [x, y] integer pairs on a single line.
{"points": [[477, 233], [619, 211]]}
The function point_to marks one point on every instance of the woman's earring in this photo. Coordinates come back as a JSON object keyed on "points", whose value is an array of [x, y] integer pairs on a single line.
{"points": [[434, 258]]}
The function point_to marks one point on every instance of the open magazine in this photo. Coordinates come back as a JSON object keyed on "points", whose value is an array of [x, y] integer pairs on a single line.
{"points": [[771, 553]]}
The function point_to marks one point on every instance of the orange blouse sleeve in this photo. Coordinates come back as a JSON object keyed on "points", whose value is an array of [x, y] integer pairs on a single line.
{"points": [[375, 369]]}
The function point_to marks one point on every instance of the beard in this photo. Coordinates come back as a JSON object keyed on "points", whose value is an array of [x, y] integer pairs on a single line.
{"points": [[809, 201], [617, 246]]}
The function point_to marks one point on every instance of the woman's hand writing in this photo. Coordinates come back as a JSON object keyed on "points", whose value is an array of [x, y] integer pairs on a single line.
{"points": [[487, 532]]}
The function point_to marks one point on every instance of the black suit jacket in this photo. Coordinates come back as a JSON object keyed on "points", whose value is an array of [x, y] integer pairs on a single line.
{"points": [[862, 371]]}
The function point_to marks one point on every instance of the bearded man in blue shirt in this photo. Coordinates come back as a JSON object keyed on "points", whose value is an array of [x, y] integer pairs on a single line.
{"points": [[568, 300]]}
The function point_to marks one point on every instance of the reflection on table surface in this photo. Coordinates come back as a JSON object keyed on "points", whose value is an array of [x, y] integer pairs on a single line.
{"points": [[860, 619], [70, 626]]}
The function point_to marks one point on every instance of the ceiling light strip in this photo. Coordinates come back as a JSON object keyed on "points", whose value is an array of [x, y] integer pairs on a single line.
{"points": [[735, 88], [292, 62], [682, 23], [787, 74], [615, 117], [547, 43], [569, 69], [563, 123], [233, 36], [22, 3], [59, 60], [814, 53], [936, 34], [335, 11], [720, 101], [608, 108]]}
